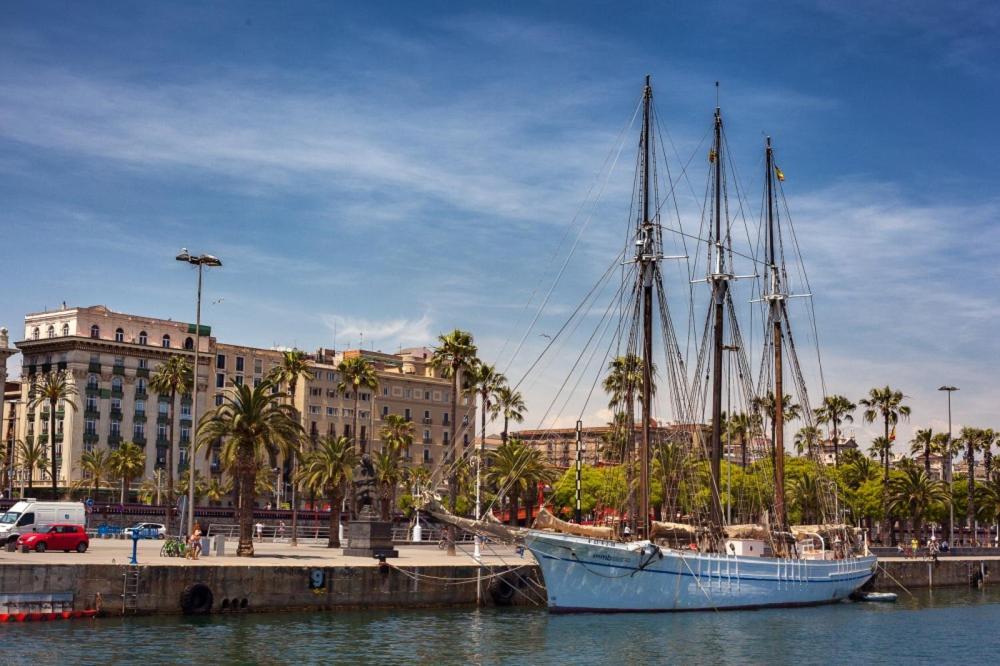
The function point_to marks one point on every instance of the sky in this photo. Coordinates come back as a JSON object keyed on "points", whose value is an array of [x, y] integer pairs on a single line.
{"points": [[379, 173]]}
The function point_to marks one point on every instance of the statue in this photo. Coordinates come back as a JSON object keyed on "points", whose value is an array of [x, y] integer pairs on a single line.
{"points": [[364, 485], [368, 536]]}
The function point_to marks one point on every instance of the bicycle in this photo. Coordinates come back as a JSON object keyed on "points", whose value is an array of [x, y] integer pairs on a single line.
{"points": [[173, 547]]}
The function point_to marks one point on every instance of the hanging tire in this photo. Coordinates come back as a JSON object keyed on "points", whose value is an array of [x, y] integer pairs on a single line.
{"points": [[197, 599], [503, 589]]}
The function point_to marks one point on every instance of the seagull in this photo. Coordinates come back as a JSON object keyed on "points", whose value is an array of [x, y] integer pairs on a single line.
{"points": [[545, 335], [218, 300]]}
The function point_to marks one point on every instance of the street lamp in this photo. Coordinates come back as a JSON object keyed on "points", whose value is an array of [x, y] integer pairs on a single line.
{"points": [[200, 262], [951, 505]]}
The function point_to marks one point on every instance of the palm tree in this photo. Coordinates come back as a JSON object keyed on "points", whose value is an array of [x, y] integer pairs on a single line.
{"points": [[127, 462], [216, 489], [836, 409], [253, 425], [328, 469], [913, 493], [55, 387], [516, 469], [972, 438], [294, 365], [739, 426], [510, 404], [95, 466], [484, 381], [357, 373], [880, 448], [921, 444], [765, 404], [32, 455], [174, 377], [388, 475], [396, 434], [885, 403], [860, 469], [199, 485], [806, 496], [670, 460], [988, 438], [806, 438], [454, 356]]}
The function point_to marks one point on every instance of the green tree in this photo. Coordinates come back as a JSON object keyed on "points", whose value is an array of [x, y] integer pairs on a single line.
{"points": [[912, 493], [55, 388], [835, 410], [740, 427], [765, 404], [96, 467], [388, 475], [328, 469], [454, 356], [357, 373], [127, 462], [515, 471], [216, 489], [885, 403], [510, 405], [253, 425], [806, 497], [294, 366], [396, 435], [973, 439], [922, 444], [806, 440], [174, 377]]}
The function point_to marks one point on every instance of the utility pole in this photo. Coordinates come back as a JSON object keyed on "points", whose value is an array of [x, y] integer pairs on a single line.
{"points": [[948, 471]]}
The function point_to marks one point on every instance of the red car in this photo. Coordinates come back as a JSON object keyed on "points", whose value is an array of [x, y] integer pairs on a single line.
{"points": [[57, 537]]}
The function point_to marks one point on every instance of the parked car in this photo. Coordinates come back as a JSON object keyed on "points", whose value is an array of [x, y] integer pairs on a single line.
{"points": [[30, 515], [147, 531], [56, 537]]}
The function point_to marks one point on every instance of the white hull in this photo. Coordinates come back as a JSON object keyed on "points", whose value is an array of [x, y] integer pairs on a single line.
{"points": [[584, 574]]}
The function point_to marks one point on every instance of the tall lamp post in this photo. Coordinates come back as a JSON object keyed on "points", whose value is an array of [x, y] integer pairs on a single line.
{"points": [[200, 262], [951, 505]]}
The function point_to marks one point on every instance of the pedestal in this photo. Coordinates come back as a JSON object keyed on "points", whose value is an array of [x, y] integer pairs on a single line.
{"points": [[369, 537]]}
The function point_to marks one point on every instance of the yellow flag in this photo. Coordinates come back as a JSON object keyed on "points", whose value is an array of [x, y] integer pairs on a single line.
{"points": [[779, 173], [711, 156]]}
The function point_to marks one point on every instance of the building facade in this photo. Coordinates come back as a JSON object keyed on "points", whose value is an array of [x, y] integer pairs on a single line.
{"points": [[558, 445]]}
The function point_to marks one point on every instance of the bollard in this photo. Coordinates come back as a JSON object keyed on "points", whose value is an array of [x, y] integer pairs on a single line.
{"points": [[418, 532]]}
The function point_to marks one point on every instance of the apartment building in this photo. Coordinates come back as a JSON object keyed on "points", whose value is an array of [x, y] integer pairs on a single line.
{"points": [[110, 356], [558, 445]]}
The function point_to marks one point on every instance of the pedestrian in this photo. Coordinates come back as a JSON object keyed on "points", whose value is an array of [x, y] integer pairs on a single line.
{"points": [[281, 530], [914, 545], [194, 543], [259, 527], [627, 532]]}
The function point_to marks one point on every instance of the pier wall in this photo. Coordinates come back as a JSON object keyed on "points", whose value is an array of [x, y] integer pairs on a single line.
{"points": [[924, 572], [160, 589]]}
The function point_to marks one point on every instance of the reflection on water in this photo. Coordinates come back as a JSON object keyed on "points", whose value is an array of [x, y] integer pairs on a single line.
{"points": [[944, 626]]}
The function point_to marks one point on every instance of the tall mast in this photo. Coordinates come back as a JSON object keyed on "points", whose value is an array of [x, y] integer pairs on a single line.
{"points": [[775, 297], [647, 258], [719, 289]]}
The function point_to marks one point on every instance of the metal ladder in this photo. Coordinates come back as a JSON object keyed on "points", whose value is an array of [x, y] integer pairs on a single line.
{"points": [[130, 590]]}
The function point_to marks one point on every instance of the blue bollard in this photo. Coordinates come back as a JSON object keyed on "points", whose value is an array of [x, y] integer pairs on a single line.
{"points": [[135, 547]]}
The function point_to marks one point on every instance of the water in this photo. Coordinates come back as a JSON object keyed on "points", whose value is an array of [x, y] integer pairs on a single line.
{"points": [[944, 627]]}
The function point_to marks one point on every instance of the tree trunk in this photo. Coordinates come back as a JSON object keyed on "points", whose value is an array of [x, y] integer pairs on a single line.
{"points": [[506, 422], [295, 469], [336, 499], [927, 458], [358, 444], [887, 518], [245, 472], [52, 442], [743, 450], [836, 444], [512, 519], [170, 462], [453, 477]]}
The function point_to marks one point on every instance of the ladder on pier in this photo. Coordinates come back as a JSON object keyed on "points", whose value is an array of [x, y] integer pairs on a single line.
{"points": [[130, 590]]}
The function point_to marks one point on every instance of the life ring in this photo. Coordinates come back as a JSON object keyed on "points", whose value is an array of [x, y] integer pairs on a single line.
{"points": [[197, 599]]}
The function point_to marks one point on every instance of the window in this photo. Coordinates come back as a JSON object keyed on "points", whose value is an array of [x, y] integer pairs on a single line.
{"points": [[465, 439], [445, 437], [91, 403], [65, 330], [119, 335], [257, 381], [186, 409], [239, 364], [164, 408], [220, 361], [140, 407], [447, 418], [408, 393], [330, 377], [92, 382], [365, 397], [182, 457], [427, 416], [95, 331], [427, 435], [143, 338], [139, 431], [189, 343], [385, 411], [116, 428], [51, 331], [314, 409], [116, 384], [218, 400], [385, 391], [316, 392], [119, 362], [427, 455], [34, 333], [185, 434], [144, 363], [116, 404], [406, 414], [331, 411], [90, 426], [220, 380], [427, 395], [238, 380], [258, 366], [95, 358], [166, 341], [140, 385], [161, 431]]}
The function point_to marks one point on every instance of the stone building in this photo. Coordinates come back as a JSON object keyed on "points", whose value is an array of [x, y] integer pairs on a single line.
{"points": [[558, 445]]}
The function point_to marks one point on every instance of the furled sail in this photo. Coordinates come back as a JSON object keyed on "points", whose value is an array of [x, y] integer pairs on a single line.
{"points": [[546, 521]]}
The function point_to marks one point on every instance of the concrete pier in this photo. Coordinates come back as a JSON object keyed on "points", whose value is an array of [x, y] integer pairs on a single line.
{"points": [[308, 577], [922, 572]]}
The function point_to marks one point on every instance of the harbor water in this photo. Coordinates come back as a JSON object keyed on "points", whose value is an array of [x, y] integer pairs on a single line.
{"points": [[947, 626]]}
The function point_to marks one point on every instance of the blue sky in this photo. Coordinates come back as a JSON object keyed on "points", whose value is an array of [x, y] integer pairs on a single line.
{"points": [[403, 169]]}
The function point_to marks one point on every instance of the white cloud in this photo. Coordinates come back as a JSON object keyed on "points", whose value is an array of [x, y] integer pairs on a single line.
{"points": [[350, 331]]}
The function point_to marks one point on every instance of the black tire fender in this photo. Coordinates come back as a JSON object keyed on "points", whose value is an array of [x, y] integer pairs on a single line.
{"points": [[503, 589], [196, 599]]}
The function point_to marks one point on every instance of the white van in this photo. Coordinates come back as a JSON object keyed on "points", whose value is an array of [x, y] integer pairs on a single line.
{"points": [[30, 515]]}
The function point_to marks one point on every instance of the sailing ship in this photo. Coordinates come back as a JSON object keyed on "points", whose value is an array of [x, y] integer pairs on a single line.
{"points": [[709, 565]]}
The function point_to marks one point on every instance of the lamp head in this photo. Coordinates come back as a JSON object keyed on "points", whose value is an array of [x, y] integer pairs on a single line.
{"points": [[948, 388]]}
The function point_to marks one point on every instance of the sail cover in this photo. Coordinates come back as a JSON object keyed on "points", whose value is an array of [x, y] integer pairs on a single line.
{"points": [[546, 521], [488, 526]]}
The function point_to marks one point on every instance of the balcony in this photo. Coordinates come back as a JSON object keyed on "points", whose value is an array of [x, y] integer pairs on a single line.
{"points": [[118, 370], [46, 368], [94, 367], [428, 421], [62, 365], [117, 393], [186, 421], [114, 439], [427, 440], [115, 414], [93, 390], [139, 440], [140, 417], [142, 372], [163, 419], [91, 437], [141, 393], [30, 369], [162, 442], [43, 439]]}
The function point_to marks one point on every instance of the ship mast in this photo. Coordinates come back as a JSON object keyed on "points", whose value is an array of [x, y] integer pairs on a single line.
{"points": [[720, 285], [776, 298], [647, 257]]}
